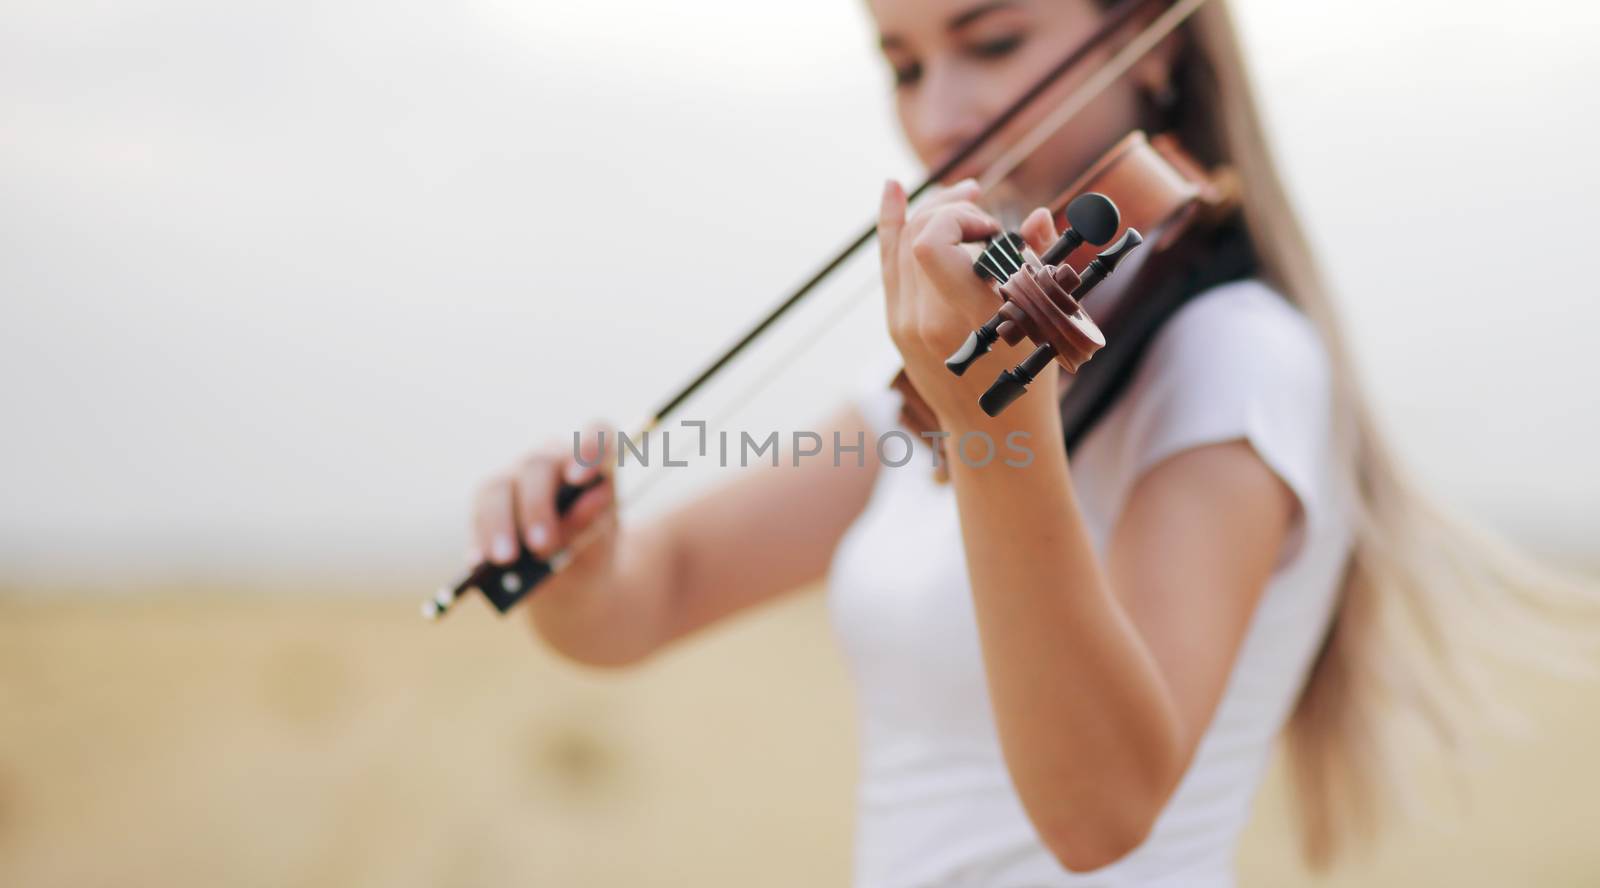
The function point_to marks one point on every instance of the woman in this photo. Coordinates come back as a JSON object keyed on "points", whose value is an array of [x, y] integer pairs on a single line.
{"points": [[1080, 665]]}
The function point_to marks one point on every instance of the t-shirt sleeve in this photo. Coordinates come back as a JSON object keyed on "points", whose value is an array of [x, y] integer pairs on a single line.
{"points": [[1239, 363]]}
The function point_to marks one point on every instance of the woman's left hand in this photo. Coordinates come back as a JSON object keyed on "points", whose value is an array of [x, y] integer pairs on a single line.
{"points": [[934, 299]]}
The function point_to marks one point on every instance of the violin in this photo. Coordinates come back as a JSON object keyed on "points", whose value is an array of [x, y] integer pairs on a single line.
{"points": [[1145, 193], [1162, 189]]}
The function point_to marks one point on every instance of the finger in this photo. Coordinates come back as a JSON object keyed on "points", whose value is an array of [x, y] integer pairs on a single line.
{"points": [[906, 307], [546, 526], [535, 494], [597, 448], [1039, 230], [494, 526], [891, 219], [595, 505], [926, 210], [951, 226], [939, 252], [961, 195], [587, 459]]}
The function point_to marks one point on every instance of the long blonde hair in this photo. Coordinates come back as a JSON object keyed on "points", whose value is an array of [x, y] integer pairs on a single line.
{"points": [[1424, 593]]}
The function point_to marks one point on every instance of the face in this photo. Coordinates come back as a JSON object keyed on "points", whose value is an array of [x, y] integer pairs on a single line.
{"points": [[957, 64]]}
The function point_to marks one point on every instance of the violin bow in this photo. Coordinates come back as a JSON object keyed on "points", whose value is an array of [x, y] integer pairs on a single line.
{"points": [[505, 585]]}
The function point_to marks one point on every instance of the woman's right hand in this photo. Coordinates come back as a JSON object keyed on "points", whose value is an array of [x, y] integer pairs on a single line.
{"points": [[517, 509]]}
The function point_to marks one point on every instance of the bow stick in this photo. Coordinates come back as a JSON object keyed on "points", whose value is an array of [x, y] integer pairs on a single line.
{"points": [[505, 585]]}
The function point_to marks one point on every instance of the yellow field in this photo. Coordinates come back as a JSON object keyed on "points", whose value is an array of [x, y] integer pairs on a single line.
{"points": [[282, 742]]}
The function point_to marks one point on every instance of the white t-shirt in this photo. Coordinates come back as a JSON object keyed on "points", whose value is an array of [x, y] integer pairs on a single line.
{"points": [[935, 804]]}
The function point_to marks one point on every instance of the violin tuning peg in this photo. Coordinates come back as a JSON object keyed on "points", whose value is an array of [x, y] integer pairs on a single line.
{"points": [[978, 343], [1102, 265], [970, 351], [1120, 250], [1091, 218], [1012, 384], [1095, 217], [1006, 389]]}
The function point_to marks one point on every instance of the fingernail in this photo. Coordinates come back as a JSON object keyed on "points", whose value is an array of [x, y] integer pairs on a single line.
{"points": [[504, 549], [538, 536], [576, 473], [474, 555]]}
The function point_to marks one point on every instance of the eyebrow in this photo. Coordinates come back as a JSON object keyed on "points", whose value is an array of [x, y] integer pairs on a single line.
{"points": [[961, 20], [957, 22]]}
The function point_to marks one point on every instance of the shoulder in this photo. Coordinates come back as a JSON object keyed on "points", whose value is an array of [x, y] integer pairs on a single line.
{"points": [[1238, 362], [1243, 332]]}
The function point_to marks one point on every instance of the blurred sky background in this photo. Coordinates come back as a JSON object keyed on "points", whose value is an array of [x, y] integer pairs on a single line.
{"points": [[279, 282]]}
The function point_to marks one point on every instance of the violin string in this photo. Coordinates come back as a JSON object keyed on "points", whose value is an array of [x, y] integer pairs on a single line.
{"points": [[765, 378], [999, 258], [857, 297], [804, 344], [993, 252], [640, 489], [1005, 247], [1010, 259], [1107, 74], [994, 247], [992, 267]]}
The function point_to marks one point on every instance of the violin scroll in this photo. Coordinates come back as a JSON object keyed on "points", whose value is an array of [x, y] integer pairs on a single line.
{"points": [[1054, 319], [1091, 218]]}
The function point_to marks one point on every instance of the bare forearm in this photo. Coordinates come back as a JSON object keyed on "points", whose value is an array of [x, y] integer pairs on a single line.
{"points": [[1090, 731], [1102, 675], [770, 531], [612, 617]]}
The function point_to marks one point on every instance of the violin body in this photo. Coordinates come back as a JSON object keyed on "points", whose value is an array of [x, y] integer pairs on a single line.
{"points": [[1158, 186]]}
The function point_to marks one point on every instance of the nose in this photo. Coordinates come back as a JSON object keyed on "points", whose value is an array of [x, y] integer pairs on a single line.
{"points": [[948, 114]]}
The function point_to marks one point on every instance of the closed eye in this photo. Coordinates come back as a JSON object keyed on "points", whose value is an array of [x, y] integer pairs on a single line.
{"points": [[999, 48], [906, 75]]}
